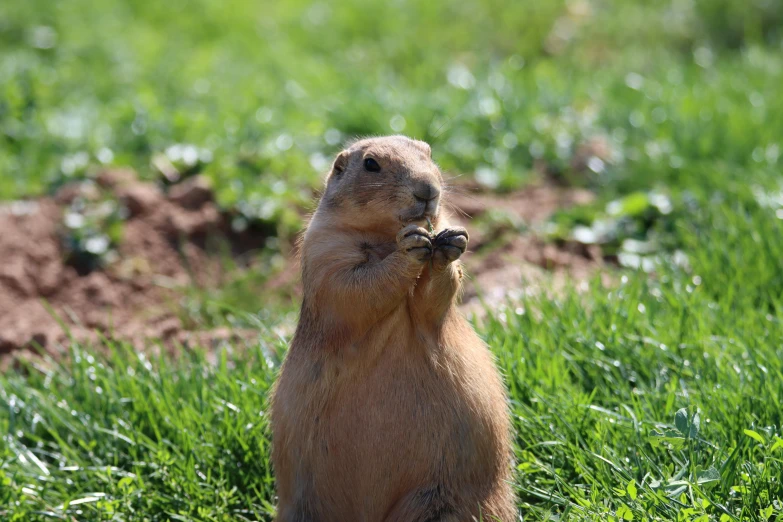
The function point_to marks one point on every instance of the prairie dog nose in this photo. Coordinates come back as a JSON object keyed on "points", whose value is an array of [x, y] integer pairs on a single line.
{"points": [[426, 191]]}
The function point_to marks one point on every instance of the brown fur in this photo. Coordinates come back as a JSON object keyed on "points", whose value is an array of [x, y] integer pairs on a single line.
{"points": [[388, 407]]}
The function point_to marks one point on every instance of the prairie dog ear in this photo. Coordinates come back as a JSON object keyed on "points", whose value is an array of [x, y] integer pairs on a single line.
{"points": [[340, 163], [423, 146]]}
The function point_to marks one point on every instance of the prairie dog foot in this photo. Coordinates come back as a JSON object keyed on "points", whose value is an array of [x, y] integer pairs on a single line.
{"points": [[415, 242], [448, 245]]}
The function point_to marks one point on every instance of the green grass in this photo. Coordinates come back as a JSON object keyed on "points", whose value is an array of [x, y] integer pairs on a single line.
{"points": [[657, 398], [597, 382], [267, 92]]}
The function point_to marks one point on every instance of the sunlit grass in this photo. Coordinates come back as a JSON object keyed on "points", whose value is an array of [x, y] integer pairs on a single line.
{"points": [[656, 398], [267, 92], [136, 439]]}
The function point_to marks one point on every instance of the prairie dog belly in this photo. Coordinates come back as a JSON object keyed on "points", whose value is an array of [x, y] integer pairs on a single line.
{"points": [[410, 400]]}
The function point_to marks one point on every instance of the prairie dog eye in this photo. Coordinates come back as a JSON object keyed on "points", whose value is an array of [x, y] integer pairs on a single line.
{"points": [[371, 165]]}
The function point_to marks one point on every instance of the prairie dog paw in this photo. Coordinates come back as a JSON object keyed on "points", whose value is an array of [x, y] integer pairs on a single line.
{"points": [[448, 245], [415, 242]]}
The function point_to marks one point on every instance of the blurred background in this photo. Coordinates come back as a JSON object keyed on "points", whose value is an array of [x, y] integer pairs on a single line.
{"points": [[617, 163], [158, 158]]}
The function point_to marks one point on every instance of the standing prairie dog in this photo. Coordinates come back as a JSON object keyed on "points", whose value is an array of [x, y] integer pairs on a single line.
{"points": [[388, 407]]}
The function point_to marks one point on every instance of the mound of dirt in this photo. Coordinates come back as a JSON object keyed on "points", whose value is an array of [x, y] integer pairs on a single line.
{"points": [[503, 262], [44, 300]]}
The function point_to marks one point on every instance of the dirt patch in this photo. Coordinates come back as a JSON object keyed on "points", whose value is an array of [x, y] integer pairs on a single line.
{"points": [[508, 256], [533, 204], [46, 298], [134, 297]]}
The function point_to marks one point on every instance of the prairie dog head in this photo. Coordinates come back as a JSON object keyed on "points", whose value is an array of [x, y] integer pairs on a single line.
{"points": [[383, 184]]}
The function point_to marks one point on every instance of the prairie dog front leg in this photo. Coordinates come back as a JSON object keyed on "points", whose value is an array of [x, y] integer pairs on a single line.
{"points": [[441, 281], [448, 245], [415, 242], [343, 271]]}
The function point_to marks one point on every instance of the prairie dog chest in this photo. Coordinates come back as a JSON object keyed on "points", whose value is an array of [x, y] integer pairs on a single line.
{"points": [[374, 249]]}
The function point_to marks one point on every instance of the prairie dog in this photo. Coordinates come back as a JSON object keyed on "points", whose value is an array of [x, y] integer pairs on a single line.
{"points": [[388, 407]]}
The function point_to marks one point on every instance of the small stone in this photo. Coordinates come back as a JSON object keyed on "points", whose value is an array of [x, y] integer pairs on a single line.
{"points": [[192, 193], [115, 178], [66, 194], [38, 340], [140, 198], [14, 276], [49, 278], [182, 223], [165, 329], [7, 345], [99, 290], [97, 319]]}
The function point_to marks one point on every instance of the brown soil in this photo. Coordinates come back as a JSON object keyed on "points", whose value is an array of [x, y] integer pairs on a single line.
{"points": [[44, 301], [505, 263]]}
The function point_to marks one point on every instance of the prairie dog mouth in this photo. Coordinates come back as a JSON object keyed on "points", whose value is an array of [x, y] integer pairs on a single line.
{"points": [[425, 221], [416, 217], [423, 213]]}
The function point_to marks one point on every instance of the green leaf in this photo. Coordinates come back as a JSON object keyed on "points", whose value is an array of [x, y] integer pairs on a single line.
{"points": [[685, 514], [767, 513], [624, 513], [631, 205], [708, 476], [115, 231], [755, 436], [681, 421], [671, 437], [631, 489], [695, 425], [741, 490]]}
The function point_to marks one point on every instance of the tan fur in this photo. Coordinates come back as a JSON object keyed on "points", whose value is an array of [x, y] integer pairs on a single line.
{"points": [[388, 406]]}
